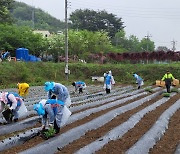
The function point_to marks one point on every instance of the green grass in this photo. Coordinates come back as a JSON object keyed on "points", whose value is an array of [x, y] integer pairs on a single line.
{"points": [[36, 74]]}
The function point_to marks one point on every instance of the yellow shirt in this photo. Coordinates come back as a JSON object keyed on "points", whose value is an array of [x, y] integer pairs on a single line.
{"points": [[168, 76], [23, 89]]}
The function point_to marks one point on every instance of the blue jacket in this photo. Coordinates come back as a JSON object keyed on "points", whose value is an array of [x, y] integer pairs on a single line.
{"points": [[60, 91], [108, 79]]}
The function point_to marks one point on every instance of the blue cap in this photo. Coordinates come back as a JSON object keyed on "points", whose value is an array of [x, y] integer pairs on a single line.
{"points": [[39, 108], [49, 86]]}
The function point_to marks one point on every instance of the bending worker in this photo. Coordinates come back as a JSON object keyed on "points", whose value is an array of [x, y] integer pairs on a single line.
{"points": [[23, 89], [79, 85], [14, 101], [59, 90], [139, 80], [168, 78], [50, 109]]}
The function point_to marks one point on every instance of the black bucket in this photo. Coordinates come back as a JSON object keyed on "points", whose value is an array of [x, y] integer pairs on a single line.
{"points": [[8, 115]]}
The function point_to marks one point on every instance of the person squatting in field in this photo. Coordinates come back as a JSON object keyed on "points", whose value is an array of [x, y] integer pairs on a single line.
{"points": [[23, 89], [108, 81], [52, 109], [13, 102], [139, 80], [79, 85], [168, 78]]}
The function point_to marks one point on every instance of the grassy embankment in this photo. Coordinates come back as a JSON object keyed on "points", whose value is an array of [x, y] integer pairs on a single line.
{"points": [[38, 73]]}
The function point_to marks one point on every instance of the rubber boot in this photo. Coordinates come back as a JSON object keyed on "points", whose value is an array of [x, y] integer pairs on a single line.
{"points": [[57, 129]]}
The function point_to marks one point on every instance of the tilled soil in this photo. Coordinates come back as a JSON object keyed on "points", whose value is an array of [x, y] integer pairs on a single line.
{"points": [[166, 145]]}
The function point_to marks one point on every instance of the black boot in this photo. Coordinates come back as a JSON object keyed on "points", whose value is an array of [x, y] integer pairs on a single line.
{"points": [[57, 129]]}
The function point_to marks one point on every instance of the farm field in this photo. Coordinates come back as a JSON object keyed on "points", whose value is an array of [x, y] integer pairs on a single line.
{"points": [[127, 120]]}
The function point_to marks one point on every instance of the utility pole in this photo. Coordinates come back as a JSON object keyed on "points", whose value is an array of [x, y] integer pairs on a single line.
{"points": [[174, 45], [33, 15], [147, 37], [66, 42]]}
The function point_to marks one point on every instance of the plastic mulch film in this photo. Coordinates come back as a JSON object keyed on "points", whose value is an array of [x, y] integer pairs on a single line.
{"points": [[120, 130], [149, 139], [64, 139]]}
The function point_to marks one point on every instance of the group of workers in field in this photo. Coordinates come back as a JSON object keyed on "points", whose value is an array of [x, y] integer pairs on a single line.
{"points": [[53, 109]]}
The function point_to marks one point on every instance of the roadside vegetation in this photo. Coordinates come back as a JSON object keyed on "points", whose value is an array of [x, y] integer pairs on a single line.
{"points": [[38, 73]]}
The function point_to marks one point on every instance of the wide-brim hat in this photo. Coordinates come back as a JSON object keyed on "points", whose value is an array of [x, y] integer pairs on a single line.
{"points": [[48, 86]]}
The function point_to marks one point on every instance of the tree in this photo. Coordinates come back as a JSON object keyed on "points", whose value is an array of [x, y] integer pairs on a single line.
{"points": [[13, 37], [22, 14], [133, 44], [147, 45], [5, 6], [96, 21], [162, 48], [86, 42]]}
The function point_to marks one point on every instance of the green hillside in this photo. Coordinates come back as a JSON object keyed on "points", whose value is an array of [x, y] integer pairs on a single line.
{"points": [[23, 15]]}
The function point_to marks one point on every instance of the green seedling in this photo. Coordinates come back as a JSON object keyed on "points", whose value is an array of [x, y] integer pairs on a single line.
{"points": [[149, 90], [49, 133], [166, 94], [175, 90]]}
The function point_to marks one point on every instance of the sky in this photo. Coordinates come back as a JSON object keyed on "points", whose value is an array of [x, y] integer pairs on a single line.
{"points": [[157, 19]]}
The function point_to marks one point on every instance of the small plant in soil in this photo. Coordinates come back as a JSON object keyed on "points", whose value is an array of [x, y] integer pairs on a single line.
{"points": [[166, 94], [149, 90], [175, 90], [46, 134]]}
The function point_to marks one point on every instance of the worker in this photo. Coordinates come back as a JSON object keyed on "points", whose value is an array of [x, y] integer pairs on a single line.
{"points": [[79, 85], [139, 80], [53, 109], [23, 89], [168, 78], [109, 81], [59, 90], [13, 102]]}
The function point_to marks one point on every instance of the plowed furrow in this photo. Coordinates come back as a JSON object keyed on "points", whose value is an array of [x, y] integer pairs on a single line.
{"points": [[130, 138], [171, 138]]}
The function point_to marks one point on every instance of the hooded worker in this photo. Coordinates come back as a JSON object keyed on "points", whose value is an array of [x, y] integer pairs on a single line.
{"points": [[23, 89], [14, 101], [53, 109], [168, 78], [79, 85], [139, 80], [109, 80], [59, 90]]}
